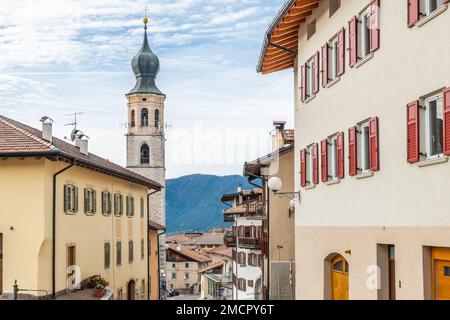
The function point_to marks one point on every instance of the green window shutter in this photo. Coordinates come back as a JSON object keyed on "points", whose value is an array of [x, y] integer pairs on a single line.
{"points": [[109, 202], [94, 201], [103, 202], [86, 200], [75, 205], [132, 206], [142, 207], [66, 198], [116, 205]]}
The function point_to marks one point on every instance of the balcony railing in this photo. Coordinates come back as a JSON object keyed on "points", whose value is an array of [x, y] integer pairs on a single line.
{"points": [[229, 240], [250, 243]]}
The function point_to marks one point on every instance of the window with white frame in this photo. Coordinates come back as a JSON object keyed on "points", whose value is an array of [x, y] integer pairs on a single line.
{"points": [[90, 201], [363, 143], [432, 133], [310, 66], [333, 58], [309, 165], [427, 7], [106, 203], [333, 158], [70, 199], [364, 33]]}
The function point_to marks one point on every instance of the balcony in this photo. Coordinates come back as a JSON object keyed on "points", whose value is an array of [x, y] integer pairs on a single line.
{"points": [[250, 243], [229, 240]]}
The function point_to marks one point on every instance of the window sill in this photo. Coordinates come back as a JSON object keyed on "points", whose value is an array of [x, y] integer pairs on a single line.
{"points": [[432, 162], [333, 182], [432, 15], [71, 213], [309, 99], [364, 60], [333, 82], [310, 187], [365, 175]]}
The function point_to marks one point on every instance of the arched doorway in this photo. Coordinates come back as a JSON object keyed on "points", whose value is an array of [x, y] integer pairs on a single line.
{"points": [[339, 278], [131, 292]]}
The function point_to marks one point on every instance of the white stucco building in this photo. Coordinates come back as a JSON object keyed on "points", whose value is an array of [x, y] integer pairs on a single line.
{"points": [[372, 124]]}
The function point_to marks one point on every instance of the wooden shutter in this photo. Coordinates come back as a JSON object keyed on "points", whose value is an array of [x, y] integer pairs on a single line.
{"points": [[325, 65], [413, 12], [66, 198], [341, 52], [413, 132], [315, 151], [303, 86], [375, 25], [303, 167], [86, 204], [374, 144], [324, 160], [353, 41], [75, 206], [352, 152], [316, 73], [447, 121], [94, 201], [340, 156]]}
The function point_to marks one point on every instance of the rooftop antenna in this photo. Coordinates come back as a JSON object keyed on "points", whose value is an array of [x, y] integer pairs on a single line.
{"points": [[74, 124]]}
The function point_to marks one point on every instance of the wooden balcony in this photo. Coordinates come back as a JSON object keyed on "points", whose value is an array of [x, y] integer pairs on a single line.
{"points": [[229, 240], [250, 243]]}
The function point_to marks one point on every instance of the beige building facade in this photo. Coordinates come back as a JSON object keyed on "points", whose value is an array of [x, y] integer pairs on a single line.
{"points": [[68, 215], [372, 146]]}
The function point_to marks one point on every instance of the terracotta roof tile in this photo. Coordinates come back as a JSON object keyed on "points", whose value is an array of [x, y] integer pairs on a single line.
{"points": [[19, 139], [189, 253]]}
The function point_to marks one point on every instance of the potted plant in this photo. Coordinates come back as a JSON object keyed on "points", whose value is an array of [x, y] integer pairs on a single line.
{"points": [[99, 290]]}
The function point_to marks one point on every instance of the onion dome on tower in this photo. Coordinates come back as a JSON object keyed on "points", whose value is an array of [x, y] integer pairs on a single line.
{"points": [[145, 67]]}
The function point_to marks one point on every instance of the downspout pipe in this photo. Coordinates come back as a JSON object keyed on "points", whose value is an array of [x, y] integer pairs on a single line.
{"points": [[54, 229], [159, 266], [148, 247]]}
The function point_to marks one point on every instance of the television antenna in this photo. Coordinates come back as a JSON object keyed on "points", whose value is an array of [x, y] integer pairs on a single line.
{"points": [[74, 124]]}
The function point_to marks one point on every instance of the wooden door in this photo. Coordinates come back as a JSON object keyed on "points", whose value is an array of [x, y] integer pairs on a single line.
{"points": [[441, 273], [131, 290], [392, 281], [1, 263], [71, 261], [340, 279]]}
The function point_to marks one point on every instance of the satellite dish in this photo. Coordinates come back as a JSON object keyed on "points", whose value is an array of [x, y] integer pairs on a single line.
{"points": [[75, 133]]}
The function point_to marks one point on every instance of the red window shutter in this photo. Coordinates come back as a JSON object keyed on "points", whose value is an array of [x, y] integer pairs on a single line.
{"points": [[324, 160], [340, 156], [447, 121], [353, 41], [341, 52], [303, 83], [316, 72], [375, 25], [315, 151], [303, 167], [325, 65], [413, 131], [413, 12], [374, 145], [352, 149]]}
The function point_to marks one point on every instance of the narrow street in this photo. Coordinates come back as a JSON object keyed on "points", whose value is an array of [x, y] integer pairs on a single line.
{"points": [[185, 297]]}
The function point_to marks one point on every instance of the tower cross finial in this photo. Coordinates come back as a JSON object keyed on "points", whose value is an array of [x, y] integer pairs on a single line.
{"points": [[145, 18]]}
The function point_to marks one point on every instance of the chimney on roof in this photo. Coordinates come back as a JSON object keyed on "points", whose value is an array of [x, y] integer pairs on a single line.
{"points": [[47, 124], [278, 138], [83, 144]]}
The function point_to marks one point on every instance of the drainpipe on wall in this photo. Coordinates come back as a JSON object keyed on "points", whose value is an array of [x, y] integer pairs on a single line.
{"points": [[148, 247], [159, 267], [54, 229]]}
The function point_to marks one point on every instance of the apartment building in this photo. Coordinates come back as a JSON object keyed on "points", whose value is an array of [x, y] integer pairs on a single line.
{"points": [[279, 219], [372, 122], [183, 267], [246, 213], [67, 215]]}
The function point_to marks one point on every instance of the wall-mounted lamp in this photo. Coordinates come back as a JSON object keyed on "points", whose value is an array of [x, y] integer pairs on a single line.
{"points": [[275, 184]]}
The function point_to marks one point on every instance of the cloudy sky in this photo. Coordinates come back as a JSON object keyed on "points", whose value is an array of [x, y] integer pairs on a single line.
{"points": [[63, 56]]}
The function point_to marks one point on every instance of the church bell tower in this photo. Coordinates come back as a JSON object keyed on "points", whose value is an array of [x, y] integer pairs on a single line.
{"points": [[145, 135]]}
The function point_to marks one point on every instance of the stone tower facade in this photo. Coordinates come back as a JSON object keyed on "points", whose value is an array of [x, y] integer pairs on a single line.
{"points": [[145, 135]]}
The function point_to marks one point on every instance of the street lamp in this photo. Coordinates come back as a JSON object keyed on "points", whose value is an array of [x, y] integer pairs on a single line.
{"points": [[275, 184]]}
